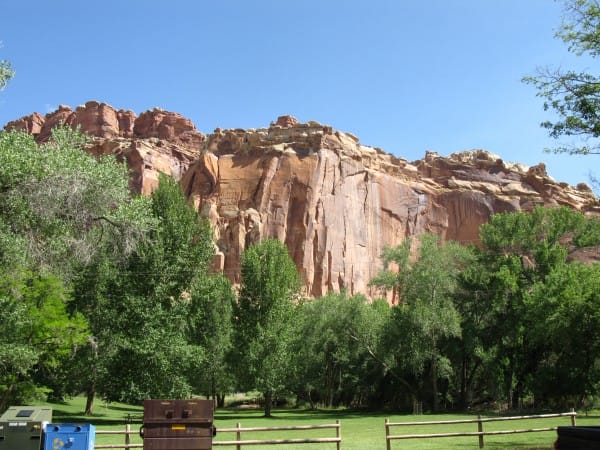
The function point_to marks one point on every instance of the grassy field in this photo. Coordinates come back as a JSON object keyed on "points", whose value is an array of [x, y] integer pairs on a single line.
{"points": [[360, 430]]}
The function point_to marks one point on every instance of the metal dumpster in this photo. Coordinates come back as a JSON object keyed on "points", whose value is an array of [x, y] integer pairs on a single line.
{"points": [[22, 427], [71, 436], [178, 424]]}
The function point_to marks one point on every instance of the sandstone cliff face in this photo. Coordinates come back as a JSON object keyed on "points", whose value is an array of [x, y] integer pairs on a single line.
{"points": [[334, 202]]}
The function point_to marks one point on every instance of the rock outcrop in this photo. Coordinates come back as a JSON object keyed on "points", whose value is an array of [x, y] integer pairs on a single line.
{"points": [[155, 142], [335, 202]]}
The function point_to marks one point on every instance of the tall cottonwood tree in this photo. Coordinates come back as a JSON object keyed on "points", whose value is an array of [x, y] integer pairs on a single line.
{"points": [[426, 315], [263, 318], [138, 307], [209, 324]]}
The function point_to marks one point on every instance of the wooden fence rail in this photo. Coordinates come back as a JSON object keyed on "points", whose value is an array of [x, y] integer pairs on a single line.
{"points": [[127, 445], [239, 442], [479, 433]]}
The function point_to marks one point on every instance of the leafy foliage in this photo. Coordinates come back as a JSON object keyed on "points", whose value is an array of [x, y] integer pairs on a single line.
{"points": [[336, 344], [574, 96], [6, 73], [138, 307], [36, 334], [566, 326], [523, 265], [209, 321], [61, 202], [263, 318], [426, 315]]}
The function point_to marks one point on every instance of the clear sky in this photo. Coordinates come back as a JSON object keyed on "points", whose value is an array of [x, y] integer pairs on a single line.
{"points": [[403, 75]]}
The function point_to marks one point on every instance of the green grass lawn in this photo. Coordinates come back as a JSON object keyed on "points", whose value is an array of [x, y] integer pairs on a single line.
{"points": [[360, 430]]}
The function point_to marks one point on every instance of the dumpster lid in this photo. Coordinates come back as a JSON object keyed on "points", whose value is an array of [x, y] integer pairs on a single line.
{"points": [[27, 414], [184, 411]]}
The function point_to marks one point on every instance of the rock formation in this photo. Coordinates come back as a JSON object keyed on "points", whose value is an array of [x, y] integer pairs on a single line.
{"points": [[156, 141], [335, 202]]}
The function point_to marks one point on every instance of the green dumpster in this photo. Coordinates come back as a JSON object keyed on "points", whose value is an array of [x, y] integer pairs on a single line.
{"points": [[22, 427]]}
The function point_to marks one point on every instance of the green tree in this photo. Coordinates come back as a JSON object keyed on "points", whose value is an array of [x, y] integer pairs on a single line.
{"points": [[426, 316], [263, 318], [574, 96], [59, 209], [37, 334], [210, 327], [62, 203], [474, 354], [566, 327], [335, 345], [524, 254], [138, 306]]}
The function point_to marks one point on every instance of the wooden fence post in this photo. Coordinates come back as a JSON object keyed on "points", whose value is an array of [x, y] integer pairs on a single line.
{"points": [[238, 436], [127, 438], [387, 433], [480, 429], [573, 417], [338, 434]]}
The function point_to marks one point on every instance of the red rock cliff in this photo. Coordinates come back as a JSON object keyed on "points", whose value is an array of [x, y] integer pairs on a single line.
{"points": [[334, 202]]}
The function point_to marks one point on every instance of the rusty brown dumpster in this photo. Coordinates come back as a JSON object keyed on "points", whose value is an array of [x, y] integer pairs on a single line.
{"points": [[178, 424]]}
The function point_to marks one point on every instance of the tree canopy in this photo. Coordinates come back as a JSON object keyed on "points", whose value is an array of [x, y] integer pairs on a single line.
{"points": [[61, 204]]}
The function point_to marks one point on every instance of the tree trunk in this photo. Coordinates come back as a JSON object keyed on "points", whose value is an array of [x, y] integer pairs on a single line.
{"points": [[89, 403], [509, 383], [6, 396], [220, 400], [434, 384], [463, 380], [312, 402], [268, 403]]}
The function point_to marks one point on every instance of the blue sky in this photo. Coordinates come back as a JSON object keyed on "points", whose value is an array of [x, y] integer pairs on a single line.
{"points": [[403, 75]]}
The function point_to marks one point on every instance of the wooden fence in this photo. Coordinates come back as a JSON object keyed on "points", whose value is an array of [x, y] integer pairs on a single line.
{"points": [[127, 445], [239, 442], [479, 433]]}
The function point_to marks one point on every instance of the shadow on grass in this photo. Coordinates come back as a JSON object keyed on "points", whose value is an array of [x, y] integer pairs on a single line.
{"points": [[98, 418], [300, 415], [133, 409]]}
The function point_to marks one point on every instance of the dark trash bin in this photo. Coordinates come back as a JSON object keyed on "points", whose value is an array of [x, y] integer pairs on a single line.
{"points": [[71, 436], [22, 427], [178, 424], [577, 438]]}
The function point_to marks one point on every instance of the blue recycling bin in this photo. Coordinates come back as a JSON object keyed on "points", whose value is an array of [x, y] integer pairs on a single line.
{"points": [[70, 436]]}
